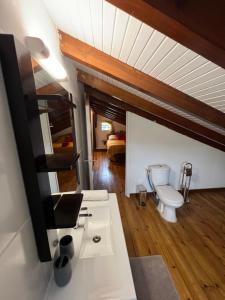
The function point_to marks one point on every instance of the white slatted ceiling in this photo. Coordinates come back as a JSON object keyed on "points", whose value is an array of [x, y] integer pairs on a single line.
{"points": [[109, 29], [42, 78]]}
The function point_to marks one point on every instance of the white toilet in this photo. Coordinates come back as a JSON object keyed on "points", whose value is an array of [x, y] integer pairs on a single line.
{"points": [[169, 198]]}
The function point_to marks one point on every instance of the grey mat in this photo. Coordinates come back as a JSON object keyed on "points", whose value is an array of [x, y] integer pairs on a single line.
{"points": [[152, 280]]}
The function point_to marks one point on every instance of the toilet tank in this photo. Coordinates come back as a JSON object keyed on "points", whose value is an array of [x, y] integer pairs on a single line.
{"points": [[159, 174]]}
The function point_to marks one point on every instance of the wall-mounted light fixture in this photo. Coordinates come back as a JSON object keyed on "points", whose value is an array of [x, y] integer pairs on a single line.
{"points": [[47, 60]]}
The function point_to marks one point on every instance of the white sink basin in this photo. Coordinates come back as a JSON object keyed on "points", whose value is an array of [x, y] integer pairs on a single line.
{"points": [[101, 271], [99, 226]]}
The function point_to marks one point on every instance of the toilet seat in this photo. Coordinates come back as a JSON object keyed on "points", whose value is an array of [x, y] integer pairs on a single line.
{"points": [[169, 196]]}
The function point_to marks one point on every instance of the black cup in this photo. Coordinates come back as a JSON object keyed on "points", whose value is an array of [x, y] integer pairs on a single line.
{"points": [[66, 246], [62, 270]]}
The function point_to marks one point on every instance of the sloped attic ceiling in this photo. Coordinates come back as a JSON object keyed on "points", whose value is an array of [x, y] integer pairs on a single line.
{"points": [[107, 28], [85, 50], [149, 98]]}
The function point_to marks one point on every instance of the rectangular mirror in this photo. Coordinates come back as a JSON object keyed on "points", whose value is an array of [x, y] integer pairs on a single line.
{"points": [[58, 129]]}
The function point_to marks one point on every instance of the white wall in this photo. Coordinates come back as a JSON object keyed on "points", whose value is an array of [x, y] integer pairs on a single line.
{"points": [[47, 139], [22, 276], [150, 143], [102, 135]]}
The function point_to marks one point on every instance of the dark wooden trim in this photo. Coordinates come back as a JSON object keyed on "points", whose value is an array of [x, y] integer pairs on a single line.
{"points": [[112, 115], [107, 107], [208, 190], [112, 118], [107, 110], [51, 88], [198, 25], [151, 194], [147, 84]]}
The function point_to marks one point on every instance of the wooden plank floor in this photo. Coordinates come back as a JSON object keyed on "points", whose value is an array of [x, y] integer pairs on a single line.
{"points": [[193, 248]]}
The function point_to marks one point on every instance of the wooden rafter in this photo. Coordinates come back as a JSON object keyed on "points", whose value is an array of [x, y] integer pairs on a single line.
{"points": [[107, 110], [106, 64], [108, 116], [107, 107], [51, 88], [97, 108], [198, 25], [106, 92]]}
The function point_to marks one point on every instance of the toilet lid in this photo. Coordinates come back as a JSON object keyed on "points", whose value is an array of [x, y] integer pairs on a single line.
{"points": [[169, 195]]}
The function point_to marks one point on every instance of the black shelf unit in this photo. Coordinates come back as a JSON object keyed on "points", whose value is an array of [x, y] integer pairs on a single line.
{"points": [[47, 211], [66, 209], [57, 162], [65, 99]]}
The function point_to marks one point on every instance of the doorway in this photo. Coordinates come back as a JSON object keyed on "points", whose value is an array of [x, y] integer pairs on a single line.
{"points": [[106, 135]]}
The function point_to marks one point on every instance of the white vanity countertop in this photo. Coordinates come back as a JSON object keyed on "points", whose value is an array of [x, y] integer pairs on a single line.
{"points": [[101, 277]]}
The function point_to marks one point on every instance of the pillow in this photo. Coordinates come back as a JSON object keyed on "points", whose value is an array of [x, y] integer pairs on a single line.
{"points": [[121, 135], [112, 137]]}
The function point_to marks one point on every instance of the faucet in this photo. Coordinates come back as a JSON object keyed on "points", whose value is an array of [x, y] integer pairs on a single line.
{"points": [[82, 215], [85, 215]]}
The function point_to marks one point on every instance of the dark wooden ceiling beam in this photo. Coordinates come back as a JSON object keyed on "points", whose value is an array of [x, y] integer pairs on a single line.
{"points": [[103, 106], [112, 118], [107, 109], [50, 89], [198, 25], [114, 68], [107, 105], [108, 113], [134, 101]]}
